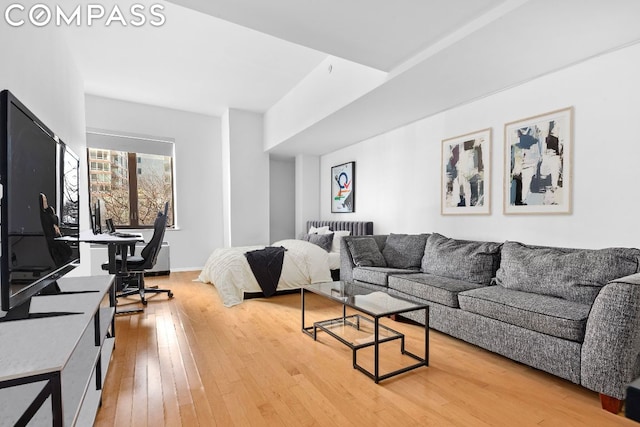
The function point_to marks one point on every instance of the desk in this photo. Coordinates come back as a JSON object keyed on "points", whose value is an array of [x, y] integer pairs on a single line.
{"points": [[114, 244]]}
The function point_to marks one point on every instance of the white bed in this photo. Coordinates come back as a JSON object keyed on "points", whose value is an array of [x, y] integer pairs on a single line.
{"points": [[228, 269], [304, 262]]}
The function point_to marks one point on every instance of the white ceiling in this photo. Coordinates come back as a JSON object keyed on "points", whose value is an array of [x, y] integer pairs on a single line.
{"points": [[194, 62], [248, 54], [211, 55], [378, 33], [519, 43]]}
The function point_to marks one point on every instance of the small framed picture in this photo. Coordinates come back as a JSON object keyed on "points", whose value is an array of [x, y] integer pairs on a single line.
{"points": [[343, 188], [466, 174], [537, 164]]}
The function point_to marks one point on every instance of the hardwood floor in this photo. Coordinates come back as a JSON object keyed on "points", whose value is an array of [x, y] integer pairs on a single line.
{"points": [[190, 361]]}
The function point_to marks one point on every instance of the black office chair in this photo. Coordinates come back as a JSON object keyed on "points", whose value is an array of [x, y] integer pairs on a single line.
{"points": [[60, 251], [130, 280]]}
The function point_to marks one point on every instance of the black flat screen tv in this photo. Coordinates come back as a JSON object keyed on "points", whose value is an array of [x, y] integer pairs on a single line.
{"points": [[39, 222]]}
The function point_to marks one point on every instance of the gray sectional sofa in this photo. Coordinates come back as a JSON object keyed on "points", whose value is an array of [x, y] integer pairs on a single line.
{"points": [[572, 312]]}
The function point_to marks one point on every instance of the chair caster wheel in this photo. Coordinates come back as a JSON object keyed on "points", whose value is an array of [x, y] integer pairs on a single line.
{"points": [[145, 302], [170, 294]]}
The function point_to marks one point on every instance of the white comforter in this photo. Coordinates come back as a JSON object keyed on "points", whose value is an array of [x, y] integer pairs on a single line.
{"points": [[304, 263]]}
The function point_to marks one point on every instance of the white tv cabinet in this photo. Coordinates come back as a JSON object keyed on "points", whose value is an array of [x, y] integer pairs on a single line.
{"points": [[52, 369]]}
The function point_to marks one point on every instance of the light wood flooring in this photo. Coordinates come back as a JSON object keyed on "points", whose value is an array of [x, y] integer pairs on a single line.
{"points": [[190, 361]]}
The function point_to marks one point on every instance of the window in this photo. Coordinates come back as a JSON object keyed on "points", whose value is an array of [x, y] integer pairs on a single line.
{"points": [[132, 175]]}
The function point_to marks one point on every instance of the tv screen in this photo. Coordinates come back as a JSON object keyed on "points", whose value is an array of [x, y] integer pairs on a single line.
{"points": [[39, 214]]}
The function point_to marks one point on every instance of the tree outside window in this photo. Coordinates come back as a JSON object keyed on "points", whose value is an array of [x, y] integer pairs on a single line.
{"points": [[133, 186]]}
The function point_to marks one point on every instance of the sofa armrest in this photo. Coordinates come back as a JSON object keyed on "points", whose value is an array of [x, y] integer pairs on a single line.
{"points": [[611, 348], [346, 260]]}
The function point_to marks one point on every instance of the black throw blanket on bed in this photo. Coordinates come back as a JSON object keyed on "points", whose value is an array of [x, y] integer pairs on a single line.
{"points": [[266, 265]]}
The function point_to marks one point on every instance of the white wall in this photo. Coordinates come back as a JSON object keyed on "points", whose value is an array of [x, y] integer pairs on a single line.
{"points": [[282, 194], [38, 68], [398, 173], [198, 177], [226, 178], [307, 191], [247, 184]]}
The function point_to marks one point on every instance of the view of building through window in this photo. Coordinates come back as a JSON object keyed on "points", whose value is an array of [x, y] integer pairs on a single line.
{"points": [[133, 186]]}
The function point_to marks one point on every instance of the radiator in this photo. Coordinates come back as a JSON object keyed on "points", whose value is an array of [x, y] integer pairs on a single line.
{"points": [[162, 266]]}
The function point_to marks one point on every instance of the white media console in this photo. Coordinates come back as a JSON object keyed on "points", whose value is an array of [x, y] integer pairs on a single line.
{"points": [[52, 369]]}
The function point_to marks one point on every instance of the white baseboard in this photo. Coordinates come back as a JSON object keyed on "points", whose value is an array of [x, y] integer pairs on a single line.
{"points": [[182, 269]]}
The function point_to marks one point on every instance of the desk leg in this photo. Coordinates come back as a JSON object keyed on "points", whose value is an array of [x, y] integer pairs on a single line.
{"points": [[111, 248], [112, 303], [123, 254], [124, 248]]}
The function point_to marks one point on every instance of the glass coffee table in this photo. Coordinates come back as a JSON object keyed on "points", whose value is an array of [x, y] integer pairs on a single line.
{"points": [[357, 331]]}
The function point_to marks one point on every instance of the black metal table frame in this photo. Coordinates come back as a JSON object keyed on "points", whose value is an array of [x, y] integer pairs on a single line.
{"points": [[375, 376], [117, 246], [53, 384], [52, 388]]}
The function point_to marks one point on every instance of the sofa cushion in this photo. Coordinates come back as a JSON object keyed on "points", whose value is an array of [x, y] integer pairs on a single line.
{"points": [[365, 253], [573, 274], [467, 260], [378, 275], [430, 287], [548, 315], [404, 250]]}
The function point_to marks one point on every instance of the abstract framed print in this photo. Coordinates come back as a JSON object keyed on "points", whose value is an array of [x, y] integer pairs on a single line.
{"points": [[537, 164], [466, 174], [343, 189]]}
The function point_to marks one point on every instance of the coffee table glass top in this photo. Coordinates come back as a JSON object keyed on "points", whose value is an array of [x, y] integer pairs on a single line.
{"points": [[373, 303]]}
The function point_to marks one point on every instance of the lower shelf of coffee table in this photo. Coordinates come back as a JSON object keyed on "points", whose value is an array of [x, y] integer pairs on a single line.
{"points": [[356, 331]]}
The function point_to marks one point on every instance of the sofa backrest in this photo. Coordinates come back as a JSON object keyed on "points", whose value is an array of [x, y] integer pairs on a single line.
{"points": [[404, 251], [346, 260], [469, 260], [572, 274]]}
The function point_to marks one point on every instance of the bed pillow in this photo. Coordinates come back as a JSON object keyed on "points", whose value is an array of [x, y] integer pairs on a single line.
{"points": [[365, 252], [319, 230], [323, 240], [404, 250], [337, 238], [313, 230]]}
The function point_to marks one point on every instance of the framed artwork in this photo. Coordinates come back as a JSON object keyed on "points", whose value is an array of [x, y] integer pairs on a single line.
{"points": [[466, 174], [343, 188], [537, 164]]}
